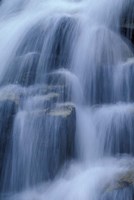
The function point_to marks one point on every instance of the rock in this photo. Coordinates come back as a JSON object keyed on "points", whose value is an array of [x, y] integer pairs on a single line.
{"points": [[127, 21], [8, 109], [49, 141], [126, 193], [49, 94], [128, 31], [123, 180], [121, 189], [23, 70], [43, 89], [10, 99], [66, 115], [46, 101], [34, 59], [49, 131], [62, 110], [116, 122]]}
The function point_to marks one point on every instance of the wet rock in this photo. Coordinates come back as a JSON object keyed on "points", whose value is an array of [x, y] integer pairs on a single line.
{"points": [[23, 70], [64, 34], [124, 82], [122, 188], [61, 77], [44, 89], [128, 31], [45, 96], [8, 109], [35, 57], [10, 99], [126, 193], [66, 115], [123, 180], [48, 136], [49, 140], [116, 123], [127, 21], [62, 110], [45, 101]]}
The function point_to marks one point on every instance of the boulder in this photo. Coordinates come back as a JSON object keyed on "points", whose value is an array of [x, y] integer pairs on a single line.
{"points": [[123, 180], [48, 136], [121, 189], [127, 21], [29, 67], [128, 31], [58, 136], [65, 114], [116, 123], [23, 70], [49, 141], [8, 109]]}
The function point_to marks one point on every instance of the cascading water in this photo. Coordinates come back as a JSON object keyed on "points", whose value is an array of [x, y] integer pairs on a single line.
{"points": [[66, 99]]}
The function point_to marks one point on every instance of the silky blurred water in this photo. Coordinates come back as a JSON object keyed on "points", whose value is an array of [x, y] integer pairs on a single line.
{"points": [[73, 48]]}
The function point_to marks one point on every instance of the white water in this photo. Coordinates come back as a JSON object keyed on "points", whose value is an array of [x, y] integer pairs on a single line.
{"points": [[79, 42]]}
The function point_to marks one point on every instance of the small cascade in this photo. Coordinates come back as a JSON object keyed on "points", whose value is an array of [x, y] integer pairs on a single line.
{"points": [[116, 124]]}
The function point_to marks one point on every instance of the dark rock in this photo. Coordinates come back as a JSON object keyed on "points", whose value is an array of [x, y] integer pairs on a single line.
{"points": [[63, 38], [126, 193], [100, 86], [35, 57], [46, 96], [48, 141], [116, 123], [23, 70], [48, 137], [8, 109], [127, 21], [123, 180], [65, 114], [124, 82], [121, 189], [128, 31]]}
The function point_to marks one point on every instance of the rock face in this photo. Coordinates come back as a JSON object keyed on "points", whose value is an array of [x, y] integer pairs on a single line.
{"points": [[48, 139], [116, 123], [127, 22], [23, 69], [65, 115], [29, 67], [122, 188], [123, 180], [8, 108], [128, 31], [126, 193]]}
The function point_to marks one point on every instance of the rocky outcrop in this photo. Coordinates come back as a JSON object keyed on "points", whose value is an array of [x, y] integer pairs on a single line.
{"points": [[23, 70], [127, 21], [65, 115], [122, 188], [49, 131], [123, 180], [56, 128], [8, 109], [33, 59], [128, 31]]}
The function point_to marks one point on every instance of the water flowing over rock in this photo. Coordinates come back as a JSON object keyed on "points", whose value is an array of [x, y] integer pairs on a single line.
{"points": [[122, 188], [127, 21], [66, 100], [44, 120]]}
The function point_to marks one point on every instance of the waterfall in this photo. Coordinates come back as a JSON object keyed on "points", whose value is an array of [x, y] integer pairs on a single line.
{"points": [[66, 99]]}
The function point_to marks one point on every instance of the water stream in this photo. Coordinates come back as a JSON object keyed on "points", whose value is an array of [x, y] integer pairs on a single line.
{"points": [[59, 53]]}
